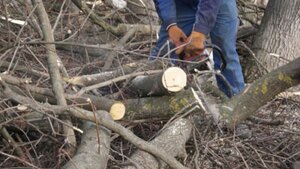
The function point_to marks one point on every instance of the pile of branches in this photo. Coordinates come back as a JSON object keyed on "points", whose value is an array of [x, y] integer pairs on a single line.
{"points": [[63, 86]]}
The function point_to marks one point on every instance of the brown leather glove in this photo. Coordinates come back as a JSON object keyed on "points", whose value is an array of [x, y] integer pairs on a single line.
{"points": [[177, 37], [196, 45]]}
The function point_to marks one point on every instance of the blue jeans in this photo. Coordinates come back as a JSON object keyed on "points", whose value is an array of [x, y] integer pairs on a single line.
{"points": [[223, 35]]}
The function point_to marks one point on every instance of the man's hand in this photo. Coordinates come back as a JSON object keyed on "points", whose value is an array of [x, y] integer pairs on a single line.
{"points": [[196, 45], [177, 37]]}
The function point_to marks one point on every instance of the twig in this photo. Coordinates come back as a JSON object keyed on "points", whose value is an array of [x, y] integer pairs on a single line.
{"points": [[197, 150], [25, 69], [104, 47], [265, 121], [59, 15], [241, 156], [259, 156], [81, 4], [13, 58], [97, 124], [32, 21], [254, 56], [37, 59], [10, 140], [119, 44], [19, 159]]}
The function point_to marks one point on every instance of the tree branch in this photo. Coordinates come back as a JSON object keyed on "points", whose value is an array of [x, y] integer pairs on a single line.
{"points": [[53, 66], [259, 93]]}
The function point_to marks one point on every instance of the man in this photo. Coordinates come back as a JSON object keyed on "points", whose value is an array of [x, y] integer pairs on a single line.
{"points": [[190, 21]]}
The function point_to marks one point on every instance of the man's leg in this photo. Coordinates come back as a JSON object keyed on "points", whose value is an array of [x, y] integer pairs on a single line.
{"points": [[224, 36]]}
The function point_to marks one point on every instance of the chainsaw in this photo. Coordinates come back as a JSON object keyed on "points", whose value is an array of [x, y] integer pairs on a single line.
{"points": [[203, 61], [195, 67], [199, 65]]}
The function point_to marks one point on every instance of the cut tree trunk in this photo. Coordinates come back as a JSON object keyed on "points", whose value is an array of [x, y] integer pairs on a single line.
{"points": [[91, 79], [162, 107], [90, 102], [172, 140], [93, 151], [172, 80], [259, 93]]}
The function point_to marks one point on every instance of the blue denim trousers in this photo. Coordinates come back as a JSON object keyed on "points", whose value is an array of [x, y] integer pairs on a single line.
{"points": [[223, 35]]}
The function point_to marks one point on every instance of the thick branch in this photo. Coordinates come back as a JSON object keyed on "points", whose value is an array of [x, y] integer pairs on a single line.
{"points": [[11, 141], [52, 57], [260, 92], [93, 151], [53, 67], [172, 140]]}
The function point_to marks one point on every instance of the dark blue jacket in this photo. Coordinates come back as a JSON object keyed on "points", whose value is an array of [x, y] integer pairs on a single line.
{"points": [[206, 14]]}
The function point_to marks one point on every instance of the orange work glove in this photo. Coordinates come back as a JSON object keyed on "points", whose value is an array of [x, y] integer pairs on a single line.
{"points": [[177, 37], [196, 45]]}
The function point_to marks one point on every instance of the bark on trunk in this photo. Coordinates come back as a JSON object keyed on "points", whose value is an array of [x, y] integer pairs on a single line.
{"points": [[171, 80], [151, 107], [277, 41], [91, 153], [172, 140]]}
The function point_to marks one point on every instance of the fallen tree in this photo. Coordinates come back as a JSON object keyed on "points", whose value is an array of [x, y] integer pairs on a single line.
{"points": [[259, 93], [86, 107]]}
